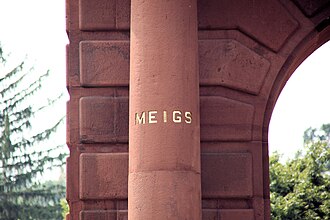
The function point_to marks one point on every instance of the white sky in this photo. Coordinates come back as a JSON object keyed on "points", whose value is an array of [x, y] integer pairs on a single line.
{"points": [[304, 102], [37, 28]]}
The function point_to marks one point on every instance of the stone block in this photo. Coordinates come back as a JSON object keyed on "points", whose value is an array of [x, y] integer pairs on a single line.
{"points": [[228, 214], [98, 215], [151, 203], [311, 7], [236, 214], [122, 215], [210, 214], [228, 63], [224, 119], [123, 14], [121, 119], [103, 119], [122, 205], [104, 15], [227, 175], [222, 62], [260, 20], [103, 176], [104, 63], [97, 14]]}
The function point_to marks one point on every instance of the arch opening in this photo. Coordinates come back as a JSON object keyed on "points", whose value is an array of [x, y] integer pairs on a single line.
{"points": [[301, 104], [307, 87]]}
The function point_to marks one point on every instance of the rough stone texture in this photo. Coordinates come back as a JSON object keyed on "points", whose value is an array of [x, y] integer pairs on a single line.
{"points": [[210, 214], [178, 183], [254, 149], [222, 62], [239, 214], [98, 215], [123, 14], [74, 115], [256, 19], [271, 37], [103, 119], [223, 119], [164, 158], [122, 215], [229, 63], [234, 214], [227, 175], [104, 14], [97, 15], [104, 63], [310, 7], [103, 175]]}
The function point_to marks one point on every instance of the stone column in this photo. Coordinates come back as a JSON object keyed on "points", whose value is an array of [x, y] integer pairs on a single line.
{"points": [[164, 130]]}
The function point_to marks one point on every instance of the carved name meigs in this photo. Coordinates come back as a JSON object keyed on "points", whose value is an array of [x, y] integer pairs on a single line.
{"points": [[154, 117]]}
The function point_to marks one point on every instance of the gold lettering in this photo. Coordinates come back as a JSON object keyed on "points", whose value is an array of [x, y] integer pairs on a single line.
{"points": [[165, 116], [140, 120], [188, 117], [152, 117], [176, 116]]}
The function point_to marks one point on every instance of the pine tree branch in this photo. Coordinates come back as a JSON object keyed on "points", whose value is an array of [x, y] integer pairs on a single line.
{"points": [[23, 94], [14, 71], [46, 133], [13, 84], [21, 162], [40, 153]]}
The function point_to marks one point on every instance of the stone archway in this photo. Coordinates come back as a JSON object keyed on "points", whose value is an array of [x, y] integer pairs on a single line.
{"points": [[247, 51], [306, 47]]}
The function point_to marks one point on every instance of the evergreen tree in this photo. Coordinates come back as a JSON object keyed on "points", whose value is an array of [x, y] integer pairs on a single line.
{"points": [[300, 188], [24, 151]]}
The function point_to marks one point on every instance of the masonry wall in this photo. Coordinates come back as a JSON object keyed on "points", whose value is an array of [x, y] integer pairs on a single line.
{"points": [[247, 51]]}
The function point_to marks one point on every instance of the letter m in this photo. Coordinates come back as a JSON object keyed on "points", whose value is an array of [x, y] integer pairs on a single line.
{"points": [[140, 120]]}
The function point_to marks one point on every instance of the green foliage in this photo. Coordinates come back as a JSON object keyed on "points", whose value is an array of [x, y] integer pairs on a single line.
{"points": [[65, 208], [300, 187], [24, 152]]}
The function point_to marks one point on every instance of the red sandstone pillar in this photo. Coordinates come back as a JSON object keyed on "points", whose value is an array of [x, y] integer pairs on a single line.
{"points": [[164, 135]]}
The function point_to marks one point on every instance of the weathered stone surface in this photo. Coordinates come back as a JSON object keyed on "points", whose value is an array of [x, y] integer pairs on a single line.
{"points": [[210, 214], [103, 175], [104, 63], [227, 175], [98, 215], [97, 117], [104, 14], [228, 214], [122, 215], [228, 63], [121, 120], [310, 7], [224, 119], [259, 19], [267, 27], [103, 119], [236, 214], [162, 205], [222, 62], [123, 14], [97, 14], [122, 205]]}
